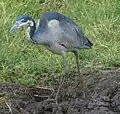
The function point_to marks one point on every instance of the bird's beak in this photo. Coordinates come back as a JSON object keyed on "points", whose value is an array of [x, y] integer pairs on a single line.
{"points": [[15, 26]]}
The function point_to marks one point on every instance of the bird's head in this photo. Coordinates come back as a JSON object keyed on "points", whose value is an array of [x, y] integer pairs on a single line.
{"points": [[22, 21]]}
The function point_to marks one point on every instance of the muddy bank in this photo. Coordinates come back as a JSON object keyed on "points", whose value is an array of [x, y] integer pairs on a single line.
{"points": [[100, 95]]}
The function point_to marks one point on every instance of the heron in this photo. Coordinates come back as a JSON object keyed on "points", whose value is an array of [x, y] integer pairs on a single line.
{"points": [[58, 33]]}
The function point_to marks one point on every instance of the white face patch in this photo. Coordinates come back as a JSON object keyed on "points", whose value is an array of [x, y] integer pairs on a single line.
{"points": [[53, 23], [29, 22]]}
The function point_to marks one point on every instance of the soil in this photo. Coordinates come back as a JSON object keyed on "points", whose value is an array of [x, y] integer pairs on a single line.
{"points": [[99, 95]]}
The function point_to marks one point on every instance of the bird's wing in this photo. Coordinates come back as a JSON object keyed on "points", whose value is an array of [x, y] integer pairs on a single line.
{"points": [[66, 34], [72, 34], [56, 28]]}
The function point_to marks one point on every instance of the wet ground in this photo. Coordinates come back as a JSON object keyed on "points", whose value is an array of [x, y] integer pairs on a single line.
{"points": [[100, 95]]}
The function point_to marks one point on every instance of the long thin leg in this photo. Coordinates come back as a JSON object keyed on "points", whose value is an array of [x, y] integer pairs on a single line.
{"points": [[78, 68], [62, 76], [77, 61]]}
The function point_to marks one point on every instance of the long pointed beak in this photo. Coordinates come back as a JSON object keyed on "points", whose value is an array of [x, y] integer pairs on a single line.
{"points": [[15, 26]]}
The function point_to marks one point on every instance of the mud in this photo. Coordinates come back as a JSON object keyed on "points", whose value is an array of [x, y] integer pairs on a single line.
{"points": [[99, 95]]}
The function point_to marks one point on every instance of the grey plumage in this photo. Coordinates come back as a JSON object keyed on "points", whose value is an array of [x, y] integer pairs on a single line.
{"points": [[57, 33], [65, 34]]}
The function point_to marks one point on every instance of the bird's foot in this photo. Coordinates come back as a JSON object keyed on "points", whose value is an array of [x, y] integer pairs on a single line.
{"points": [[51, 100], [52, 104]]}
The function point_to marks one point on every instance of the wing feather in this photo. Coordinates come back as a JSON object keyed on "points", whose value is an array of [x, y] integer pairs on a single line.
{"points": [[56, 28], [65, 33]]}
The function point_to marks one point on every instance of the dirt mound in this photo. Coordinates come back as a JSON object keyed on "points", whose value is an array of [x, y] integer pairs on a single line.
{"points": [[100, 95]]}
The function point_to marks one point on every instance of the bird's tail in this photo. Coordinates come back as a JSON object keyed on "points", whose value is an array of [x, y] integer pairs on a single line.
{"points": [[87, 43]]}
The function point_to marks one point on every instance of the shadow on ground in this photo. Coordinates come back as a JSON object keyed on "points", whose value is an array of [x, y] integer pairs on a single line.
{"points": [[100, 95]]}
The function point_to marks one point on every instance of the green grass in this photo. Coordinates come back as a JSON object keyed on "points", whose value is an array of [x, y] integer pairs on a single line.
{"points": [[118, 7], [25, 63]]}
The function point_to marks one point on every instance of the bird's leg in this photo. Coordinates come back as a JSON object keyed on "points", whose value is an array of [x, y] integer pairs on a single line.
{"points": [[78, 68], [77, 61], [62, 77]]}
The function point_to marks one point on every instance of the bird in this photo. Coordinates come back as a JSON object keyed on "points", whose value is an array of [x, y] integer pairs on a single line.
{"points": [[58, 33]]}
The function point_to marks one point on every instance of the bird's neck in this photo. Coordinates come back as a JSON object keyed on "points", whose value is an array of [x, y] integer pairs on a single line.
{"points": [[31, 29]]}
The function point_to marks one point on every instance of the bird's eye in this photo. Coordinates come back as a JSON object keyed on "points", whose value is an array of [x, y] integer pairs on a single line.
{"points": [[23, 20]]}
